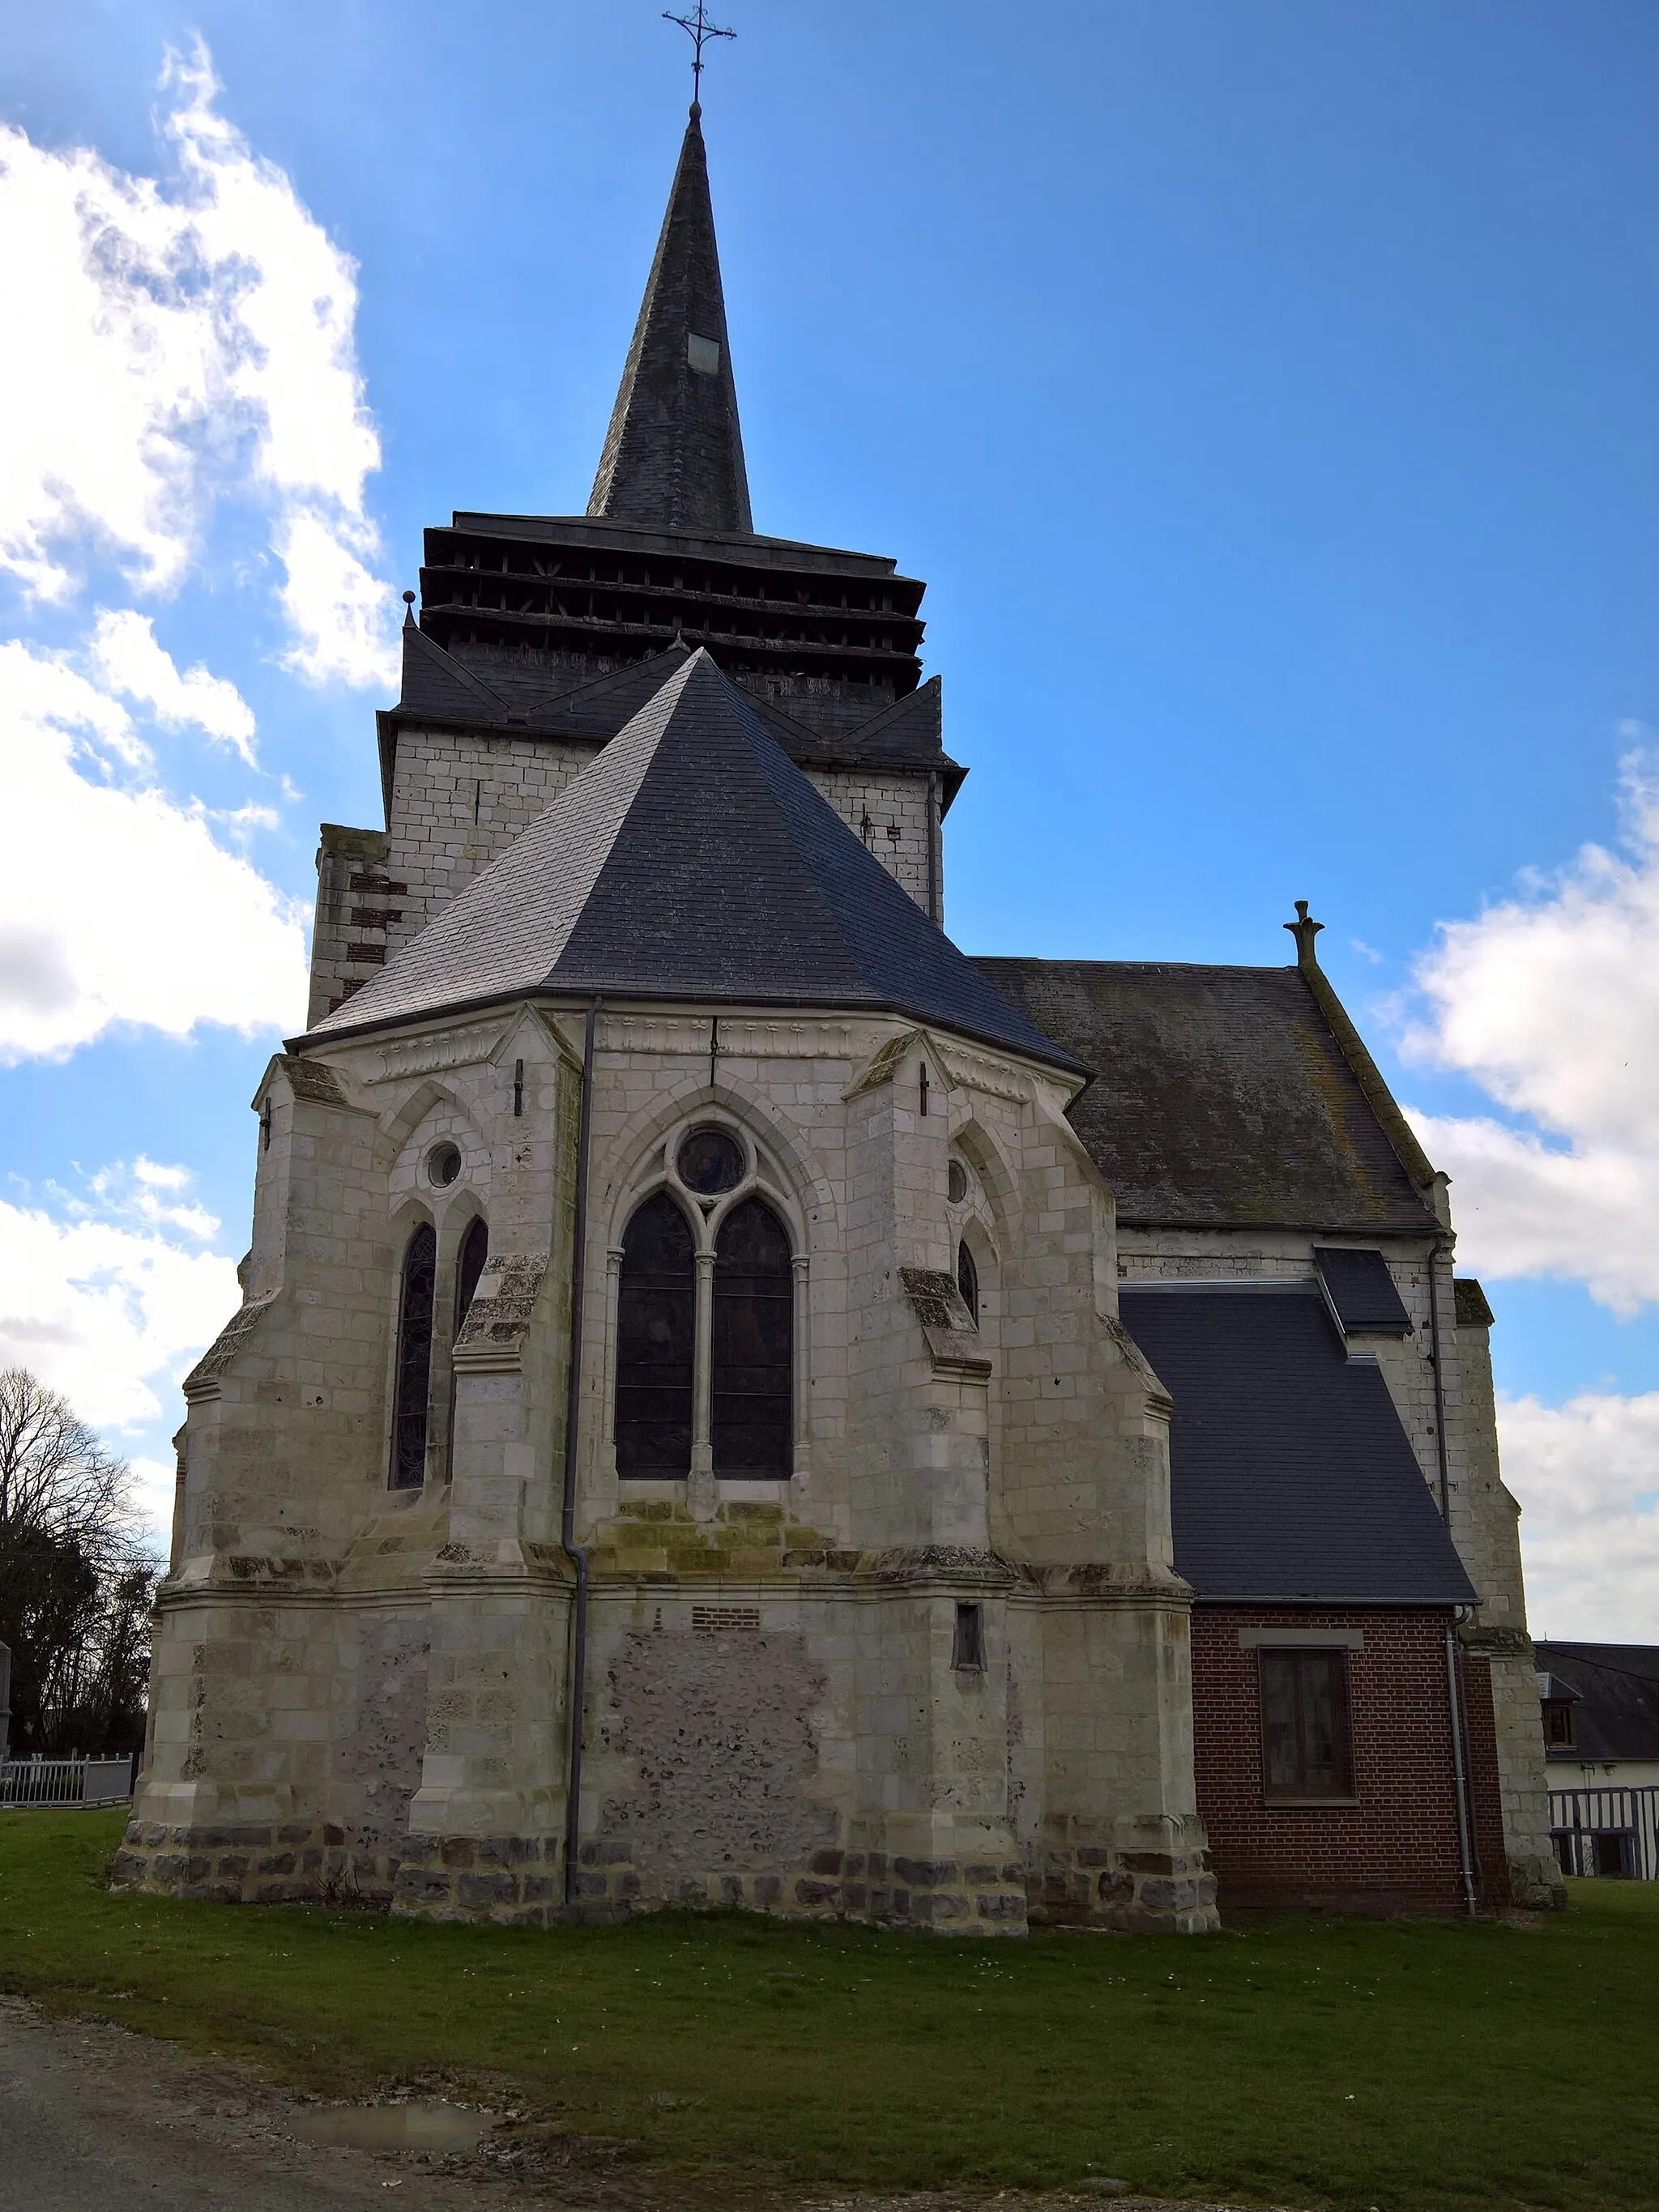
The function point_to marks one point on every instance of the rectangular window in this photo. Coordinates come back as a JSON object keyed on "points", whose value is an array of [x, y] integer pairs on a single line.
{"points": [[1559, 1731], [1307, 1742], [968, 1646]]}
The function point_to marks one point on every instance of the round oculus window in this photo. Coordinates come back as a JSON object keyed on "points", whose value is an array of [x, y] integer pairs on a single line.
{"points": [[956, 1181], [443, 1165], [711, 1161]]}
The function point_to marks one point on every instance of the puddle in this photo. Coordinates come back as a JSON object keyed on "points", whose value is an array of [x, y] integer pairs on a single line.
{"points": [[429, 2125]]}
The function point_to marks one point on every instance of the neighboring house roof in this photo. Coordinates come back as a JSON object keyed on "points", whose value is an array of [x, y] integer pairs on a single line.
{"points": [[1553, 1691], [1291, 1476], [691, 860], [1617, 1689], [1221, 1097]]}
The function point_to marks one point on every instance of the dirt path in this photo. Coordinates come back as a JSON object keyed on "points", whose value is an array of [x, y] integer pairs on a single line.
{"points": [[94, 2119]]}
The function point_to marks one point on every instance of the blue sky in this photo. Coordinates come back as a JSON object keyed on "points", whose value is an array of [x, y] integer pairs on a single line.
{"points": [[1266, 395]]}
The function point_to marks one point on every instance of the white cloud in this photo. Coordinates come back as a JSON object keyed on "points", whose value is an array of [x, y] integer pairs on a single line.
{"points": [[147, 1193], [155, 1482], [1550, 1000], [185, 342], [116, 903], [1587, 1474], [124, 652], [335, 608], [109, 1314]]}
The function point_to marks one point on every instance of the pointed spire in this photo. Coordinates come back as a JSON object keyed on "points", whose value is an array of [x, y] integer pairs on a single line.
{"points": [[673, 454]]}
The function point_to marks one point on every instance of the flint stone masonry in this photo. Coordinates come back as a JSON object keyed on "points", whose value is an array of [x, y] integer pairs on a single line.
{"points": [[719, 1730]]}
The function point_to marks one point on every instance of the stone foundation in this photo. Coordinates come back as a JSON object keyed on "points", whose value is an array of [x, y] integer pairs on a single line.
{"points": [[518, 1881], [1145, 1893], [511, 1881], [874, 1888], [282, 1864]]}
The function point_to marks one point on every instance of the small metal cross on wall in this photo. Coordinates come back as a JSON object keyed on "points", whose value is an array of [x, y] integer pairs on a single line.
{"points": [[697, 28]]}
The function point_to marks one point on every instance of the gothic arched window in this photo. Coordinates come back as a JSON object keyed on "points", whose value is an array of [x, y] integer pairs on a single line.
{"points": [[475, 1250], [968, 1281], [409, 1417], [656, 1342], [469, 1267], [749, 1386]]}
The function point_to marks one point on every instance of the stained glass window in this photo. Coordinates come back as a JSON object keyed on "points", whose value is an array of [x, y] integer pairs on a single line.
{"points": [[414, 1359], [656, 1338], [750, 1409]]}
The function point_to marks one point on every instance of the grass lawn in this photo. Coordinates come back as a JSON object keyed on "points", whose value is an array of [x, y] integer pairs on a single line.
{"points": [[1343, 2064]]}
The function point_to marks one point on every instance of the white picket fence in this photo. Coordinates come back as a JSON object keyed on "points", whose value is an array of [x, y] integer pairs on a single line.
{"points": [[66, 1781]]}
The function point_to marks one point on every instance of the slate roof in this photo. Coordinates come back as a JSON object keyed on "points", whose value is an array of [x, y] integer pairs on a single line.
{"points": [[1617, 1688], [1292, 1478], [1220, 1096], [691, 860], [673, 454], [1362, 1290], [516, 700]]}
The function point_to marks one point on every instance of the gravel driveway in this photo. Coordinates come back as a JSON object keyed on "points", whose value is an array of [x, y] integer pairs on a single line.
{"points": [[94, 2119]]}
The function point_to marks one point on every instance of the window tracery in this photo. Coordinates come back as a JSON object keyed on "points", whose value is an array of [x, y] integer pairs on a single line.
{"points": [[705, 1338]]}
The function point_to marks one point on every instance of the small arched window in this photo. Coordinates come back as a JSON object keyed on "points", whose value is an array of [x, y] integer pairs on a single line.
{"points": [[656, 1342], [968, 1281], [409, 1419], [750, 1393], [475, 1250]]}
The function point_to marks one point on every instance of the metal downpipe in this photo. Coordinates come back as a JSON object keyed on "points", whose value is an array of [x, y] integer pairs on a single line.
{"points": [[568, 1515], [1460, 1776], [1453, 1674]]}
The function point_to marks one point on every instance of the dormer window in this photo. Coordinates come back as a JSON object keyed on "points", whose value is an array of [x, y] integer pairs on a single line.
{"points": [[1560, 1730]]}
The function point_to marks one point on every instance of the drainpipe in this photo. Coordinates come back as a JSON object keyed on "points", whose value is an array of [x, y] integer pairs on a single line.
{"points": [[1460, 1777], [933, 914], [568, 1517], [1436, 1252], [1454, 1676]]}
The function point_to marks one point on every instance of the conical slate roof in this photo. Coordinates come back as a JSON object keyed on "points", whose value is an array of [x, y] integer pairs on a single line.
{"points": [[691, 861], [673, 454]]}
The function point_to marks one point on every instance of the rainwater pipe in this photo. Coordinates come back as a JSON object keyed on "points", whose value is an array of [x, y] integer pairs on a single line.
{"points": [[934, 831], [1453, 1679], [568, 1515]]}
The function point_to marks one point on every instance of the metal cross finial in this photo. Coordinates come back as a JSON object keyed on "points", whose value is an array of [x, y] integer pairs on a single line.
{"points": [[697, 28]]}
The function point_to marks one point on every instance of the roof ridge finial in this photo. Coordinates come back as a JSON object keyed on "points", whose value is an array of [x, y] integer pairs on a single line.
{"points": [[699, 30], [1304, 930]]}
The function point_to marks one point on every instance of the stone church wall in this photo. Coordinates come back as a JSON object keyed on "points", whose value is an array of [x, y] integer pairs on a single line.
{"points": [[373, 1684]]}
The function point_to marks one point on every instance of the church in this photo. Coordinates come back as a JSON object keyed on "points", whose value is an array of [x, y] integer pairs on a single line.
{"points": [[736, 1403]]}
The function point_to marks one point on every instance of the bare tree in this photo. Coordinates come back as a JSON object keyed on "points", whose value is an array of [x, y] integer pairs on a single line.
{"points": [[75, 1582], [55, 1475]]}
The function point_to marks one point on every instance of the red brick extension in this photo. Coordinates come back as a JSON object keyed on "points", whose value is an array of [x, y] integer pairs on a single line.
{"points": [[1396, 1850]]}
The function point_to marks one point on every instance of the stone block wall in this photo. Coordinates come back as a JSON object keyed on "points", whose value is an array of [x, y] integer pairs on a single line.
{"points": [[460, 798], [378, 1680]]}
